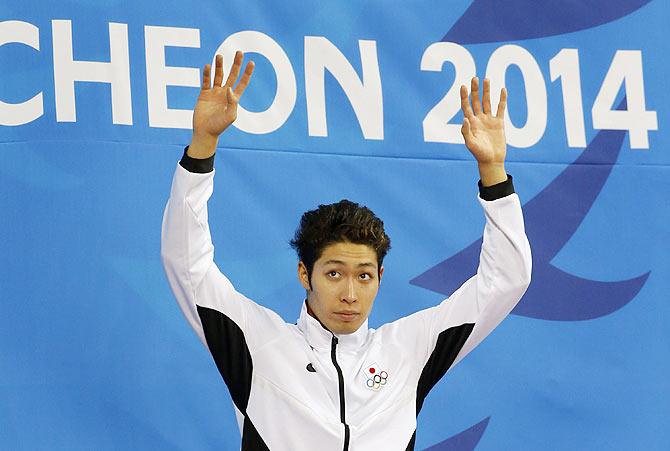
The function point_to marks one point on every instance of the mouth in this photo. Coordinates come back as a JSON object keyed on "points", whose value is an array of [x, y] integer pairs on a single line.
{"points": [[347, 316]]}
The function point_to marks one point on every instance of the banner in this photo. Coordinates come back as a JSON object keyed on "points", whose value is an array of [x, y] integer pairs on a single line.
{"points": [[354, 100]]}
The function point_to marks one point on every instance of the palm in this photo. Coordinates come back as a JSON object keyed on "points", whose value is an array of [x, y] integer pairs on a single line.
{"points": [[484, 133], [213, 113], [487, 140]]}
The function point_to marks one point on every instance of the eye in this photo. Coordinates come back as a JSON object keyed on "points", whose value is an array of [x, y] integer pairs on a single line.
{"points": [[365, 276], [333, 274]]}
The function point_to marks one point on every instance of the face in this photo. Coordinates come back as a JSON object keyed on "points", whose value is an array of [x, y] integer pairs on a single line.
{"points": [[345, 281]]}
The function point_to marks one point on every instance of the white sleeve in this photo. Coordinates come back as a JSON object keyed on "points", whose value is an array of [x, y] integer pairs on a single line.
{"points": [[502, 277], [187, 254], [444, 334]]}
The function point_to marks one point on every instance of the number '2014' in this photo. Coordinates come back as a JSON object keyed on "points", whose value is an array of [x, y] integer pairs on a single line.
{"points": [[625, 69]]}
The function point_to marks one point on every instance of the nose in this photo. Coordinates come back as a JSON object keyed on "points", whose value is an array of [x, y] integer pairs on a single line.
{"points": [[349, 295]]}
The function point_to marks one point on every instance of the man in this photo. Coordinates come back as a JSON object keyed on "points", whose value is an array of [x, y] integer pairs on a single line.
{"points": [[329, 382]]}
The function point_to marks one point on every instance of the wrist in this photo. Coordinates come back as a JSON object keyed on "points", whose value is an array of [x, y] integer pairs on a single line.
{"points": [[202, 146], [492, 173]]}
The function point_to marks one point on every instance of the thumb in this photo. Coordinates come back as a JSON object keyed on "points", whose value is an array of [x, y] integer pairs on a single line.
{"points": [[230, 96], [231, 107], [466, 131]]}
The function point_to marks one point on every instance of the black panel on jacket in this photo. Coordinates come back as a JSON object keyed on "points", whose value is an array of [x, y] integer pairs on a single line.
{"points": [[496, 191], [410, 446], [198, 165], [449, 344], [229, 348], [251, 439]]}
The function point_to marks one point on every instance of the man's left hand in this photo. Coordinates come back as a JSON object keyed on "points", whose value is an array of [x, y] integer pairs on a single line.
{"points": [[483, 132]]}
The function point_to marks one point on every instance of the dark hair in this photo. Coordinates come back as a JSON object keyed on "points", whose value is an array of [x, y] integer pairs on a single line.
{"points": [[344, 221]]}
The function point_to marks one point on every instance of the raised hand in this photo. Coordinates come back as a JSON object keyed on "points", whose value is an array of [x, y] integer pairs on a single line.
{"points": [[483, 132], [216, 107]]}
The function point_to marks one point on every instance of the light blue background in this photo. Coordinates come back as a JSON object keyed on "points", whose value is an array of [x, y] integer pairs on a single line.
{"points": [[94, 353]]}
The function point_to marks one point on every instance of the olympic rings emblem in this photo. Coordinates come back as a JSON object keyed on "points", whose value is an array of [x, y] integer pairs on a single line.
{"points": [[376, 381]]}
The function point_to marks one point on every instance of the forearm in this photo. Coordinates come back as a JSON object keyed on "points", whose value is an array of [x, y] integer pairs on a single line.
{"points": [[202, 146], [186, 246], [505, 259], [503, 273], [492, 173], [195, 164]]}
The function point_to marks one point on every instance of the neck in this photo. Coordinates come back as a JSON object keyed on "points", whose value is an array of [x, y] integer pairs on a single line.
{"points": [[313, 315]]}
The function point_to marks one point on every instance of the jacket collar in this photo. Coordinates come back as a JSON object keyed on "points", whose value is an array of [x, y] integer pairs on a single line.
{"points": [[319, 337]]}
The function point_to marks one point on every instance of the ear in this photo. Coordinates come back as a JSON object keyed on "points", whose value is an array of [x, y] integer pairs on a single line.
{"points": [[303, 276], [381, 273]]}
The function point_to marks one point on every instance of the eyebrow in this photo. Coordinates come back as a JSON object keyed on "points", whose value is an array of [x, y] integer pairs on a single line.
{"points": [[340, 262]]}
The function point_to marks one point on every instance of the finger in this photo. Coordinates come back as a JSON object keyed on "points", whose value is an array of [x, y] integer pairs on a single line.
{"points": [[466, 131], [218, 71], [235, 70], [206, 80], [244, 81], [486, 96], [474, 96], [502, 104], [465, 102]]}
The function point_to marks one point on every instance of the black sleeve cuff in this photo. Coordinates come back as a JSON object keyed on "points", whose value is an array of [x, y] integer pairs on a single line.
{"points": [[496, 191], [199, 165]]}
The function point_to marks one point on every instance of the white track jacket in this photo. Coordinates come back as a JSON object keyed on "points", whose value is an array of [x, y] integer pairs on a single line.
{"points": [[298, 386]]}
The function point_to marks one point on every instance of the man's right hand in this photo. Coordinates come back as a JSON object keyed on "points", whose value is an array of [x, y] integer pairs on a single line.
{"points": [[216, 107]]}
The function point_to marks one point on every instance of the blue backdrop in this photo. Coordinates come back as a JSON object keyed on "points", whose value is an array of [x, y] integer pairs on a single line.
{"points": [[351, 101]]}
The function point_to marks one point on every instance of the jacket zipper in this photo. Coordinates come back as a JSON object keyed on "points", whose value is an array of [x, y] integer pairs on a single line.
{"points": [[340, 379]]}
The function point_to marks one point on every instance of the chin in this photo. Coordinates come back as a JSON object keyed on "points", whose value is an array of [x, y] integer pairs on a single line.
{"points": [[348, 329]]}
